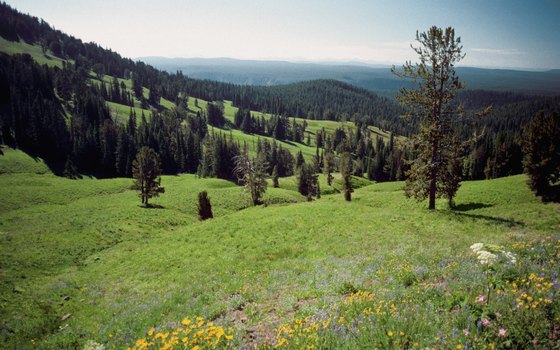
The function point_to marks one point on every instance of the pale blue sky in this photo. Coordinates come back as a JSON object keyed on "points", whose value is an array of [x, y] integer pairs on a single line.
{"points": [[495, 33]]}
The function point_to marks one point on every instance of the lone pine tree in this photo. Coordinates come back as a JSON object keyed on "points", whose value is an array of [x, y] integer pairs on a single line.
{"points": [[431, 104], [346, 173], [252, 174], [146, 171], [204, 206]]}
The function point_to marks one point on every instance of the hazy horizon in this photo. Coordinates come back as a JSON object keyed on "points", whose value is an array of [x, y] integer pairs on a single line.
{"points": [[509, 34], [371, 64]]}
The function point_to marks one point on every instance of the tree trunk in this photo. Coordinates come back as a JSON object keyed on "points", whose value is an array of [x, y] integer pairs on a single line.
{"points": [[433, 177]]}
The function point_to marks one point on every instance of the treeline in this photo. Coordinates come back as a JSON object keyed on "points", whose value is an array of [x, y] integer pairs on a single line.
{"points": [[324, 100], [278, 126], [497, 152], [61, 116]]}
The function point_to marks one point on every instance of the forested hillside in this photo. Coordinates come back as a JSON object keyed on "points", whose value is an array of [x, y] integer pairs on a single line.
{"points": [[87, 110]]}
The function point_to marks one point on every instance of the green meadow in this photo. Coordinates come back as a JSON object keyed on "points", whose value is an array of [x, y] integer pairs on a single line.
{"points": [[83, 263], [35, 51]]}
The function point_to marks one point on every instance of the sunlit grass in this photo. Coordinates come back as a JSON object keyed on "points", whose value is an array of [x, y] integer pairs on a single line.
{"points": [[81, 260]]}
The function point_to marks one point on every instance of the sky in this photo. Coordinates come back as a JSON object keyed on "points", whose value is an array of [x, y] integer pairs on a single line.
{"points": [[494, 33]]}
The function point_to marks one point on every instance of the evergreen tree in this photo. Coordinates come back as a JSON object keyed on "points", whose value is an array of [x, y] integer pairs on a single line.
{"points": [[252, 174], [299, 160], [431, 102], [146, 170], [215, 114], [453, 175], [280, 128], [541, 154], [346, 173], [238, 118], [328, 165], [275, 183], [204, 206], [308, 181], [247, 123]]}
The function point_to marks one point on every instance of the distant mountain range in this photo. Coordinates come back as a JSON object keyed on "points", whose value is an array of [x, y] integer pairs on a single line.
{"points": [[372, 77]]}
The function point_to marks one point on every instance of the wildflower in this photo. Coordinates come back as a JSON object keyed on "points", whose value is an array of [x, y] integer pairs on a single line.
{"points": [[281, 342], [509, 257], [486, 258], [459, 347], [390, 334], [481, 298], [466, 332], [486, 322], [477, 247], [502, 332]]}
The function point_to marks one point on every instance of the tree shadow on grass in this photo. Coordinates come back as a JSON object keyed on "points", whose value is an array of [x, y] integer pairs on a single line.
{"points": [[152, 206], [491, 219], [471, 206]]}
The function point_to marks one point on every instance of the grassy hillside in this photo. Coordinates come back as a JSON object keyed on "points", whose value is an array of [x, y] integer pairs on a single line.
{"points": [[121, 112], [21, 47], [81, 261]]}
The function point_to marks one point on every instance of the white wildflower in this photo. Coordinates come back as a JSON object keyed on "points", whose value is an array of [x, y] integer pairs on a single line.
{"points": [[93, 345], [510, 257], [486, 258], [477, 247], [488, 254]]}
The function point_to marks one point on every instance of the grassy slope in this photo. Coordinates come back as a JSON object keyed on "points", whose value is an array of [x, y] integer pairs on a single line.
{"points": [[21, 47], [312, 125], [85, 248], [121, 112]]}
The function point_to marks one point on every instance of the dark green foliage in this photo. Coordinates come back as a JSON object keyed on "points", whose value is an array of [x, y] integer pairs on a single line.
{"points": [[215, 114], [275, 156], [218, 157], [204, 206], [346, 173], [70, 170], [329, 165], [275, 177], [31, 117], [541, 150], [431, 104], [308, 181], [146, 170], [252, 175], [299, 160]]}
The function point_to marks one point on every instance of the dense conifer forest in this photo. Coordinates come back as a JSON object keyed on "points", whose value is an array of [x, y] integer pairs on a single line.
{"points": [[60, 114]]}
